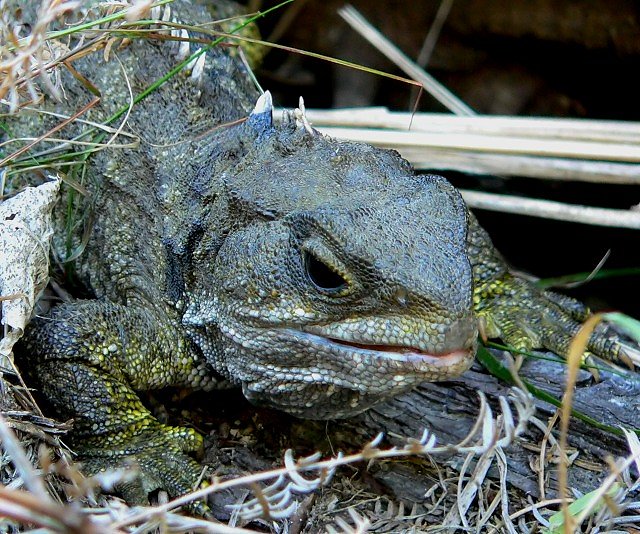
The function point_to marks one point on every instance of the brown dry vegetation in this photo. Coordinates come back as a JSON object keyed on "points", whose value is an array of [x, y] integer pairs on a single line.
{"points": [[495, 466]]}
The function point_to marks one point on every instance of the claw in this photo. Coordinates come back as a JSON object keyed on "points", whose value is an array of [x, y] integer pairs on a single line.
{"points": [[166, 14], [152, 458], [482, 329], [185, 46], [174, 43], [588, 361], [629, 356], [200, 508], [198, 68]]}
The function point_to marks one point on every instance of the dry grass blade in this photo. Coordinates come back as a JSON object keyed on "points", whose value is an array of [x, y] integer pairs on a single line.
{"points": [[431, 39], [179, 523], [270, 503], [603, 506], [23, 507], [504, 496], [574, 359], [634, 446], [28, 474], [53, 130], [360, 524], [381, 43], [13, 296], [575, 149], [467, 492], [35, 506], [336, 61], [545, 168], [483, 438], [505, 126], [548, 437], [550, 149], [552, 210], [22, 59], [61, 144]]}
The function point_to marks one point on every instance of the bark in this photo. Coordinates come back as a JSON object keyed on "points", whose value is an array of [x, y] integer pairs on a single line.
{"points": [[448, 410]]}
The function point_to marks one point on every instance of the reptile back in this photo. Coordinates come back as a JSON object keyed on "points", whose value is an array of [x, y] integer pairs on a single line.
{"points": [[148, 187]]}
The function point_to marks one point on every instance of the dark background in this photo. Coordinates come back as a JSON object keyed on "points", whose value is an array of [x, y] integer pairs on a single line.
{"points": [[565, 58]]}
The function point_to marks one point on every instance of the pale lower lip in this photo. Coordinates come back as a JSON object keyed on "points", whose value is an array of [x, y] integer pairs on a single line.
{"points": [[449, 359]]}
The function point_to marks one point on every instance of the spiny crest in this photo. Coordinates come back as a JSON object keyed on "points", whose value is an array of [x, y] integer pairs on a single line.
{"points": [[261, 118], [301, 118]]}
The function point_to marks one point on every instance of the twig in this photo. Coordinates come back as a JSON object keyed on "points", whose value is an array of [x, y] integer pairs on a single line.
{"points": [[562, 148], [12, 446], [433, 34], [552, 210], [609, 131], [381, 43], [53, 130]]}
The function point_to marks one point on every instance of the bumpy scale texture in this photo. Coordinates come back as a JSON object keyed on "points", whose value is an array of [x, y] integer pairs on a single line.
{"points": [[320, 276]]}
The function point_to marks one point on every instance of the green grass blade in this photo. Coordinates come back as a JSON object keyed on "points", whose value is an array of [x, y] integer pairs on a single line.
{"points": [[118, 15], [556, 521], [628, 324], [497, 369], [537, 356], [146, 92]]}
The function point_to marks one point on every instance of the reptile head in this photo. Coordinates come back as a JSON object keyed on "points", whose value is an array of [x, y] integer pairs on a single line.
{"points": [[343, 279]]}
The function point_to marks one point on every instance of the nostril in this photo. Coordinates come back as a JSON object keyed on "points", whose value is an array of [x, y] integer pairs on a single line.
{"points": [[461, 333], [401, 296], [472, 343]]}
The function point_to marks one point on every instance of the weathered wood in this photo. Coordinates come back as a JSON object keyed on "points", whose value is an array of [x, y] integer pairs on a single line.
{"points": [[448, 410]]}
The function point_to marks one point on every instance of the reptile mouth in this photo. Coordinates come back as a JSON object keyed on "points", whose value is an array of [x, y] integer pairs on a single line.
{"points": [[451, 362], [410, 354]]}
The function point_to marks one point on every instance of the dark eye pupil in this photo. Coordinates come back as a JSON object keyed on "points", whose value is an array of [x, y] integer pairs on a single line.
{"points": [[323, 276]]}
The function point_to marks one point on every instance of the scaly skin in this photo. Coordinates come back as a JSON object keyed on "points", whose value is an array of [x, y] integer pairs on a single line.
{"points": [[320, 276], [522, 315]]}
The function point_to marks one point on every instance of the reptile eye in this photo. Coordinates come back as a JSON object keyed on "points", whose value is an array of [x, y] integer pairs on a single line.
{"points": [[322, 275]]}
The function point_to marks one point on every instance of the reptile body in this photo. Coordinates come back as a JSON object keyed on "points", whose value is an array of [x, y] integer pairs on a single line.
{"points": [[320, 276]]}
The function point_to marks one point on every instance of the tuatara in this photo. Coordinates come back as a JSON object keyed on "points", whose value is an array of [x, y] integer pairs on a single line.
{"points": [[320, 276]]}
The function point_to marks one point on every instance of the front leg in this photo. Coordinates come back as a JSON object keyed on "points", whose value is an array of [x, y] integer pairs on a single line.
{"points": [[88, 359], [523, 315]]}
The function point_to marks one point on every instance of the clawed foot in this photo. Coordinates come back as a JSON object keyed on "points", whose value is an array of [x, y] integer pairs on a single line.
{"points": [[158, 456], [528, 318]]}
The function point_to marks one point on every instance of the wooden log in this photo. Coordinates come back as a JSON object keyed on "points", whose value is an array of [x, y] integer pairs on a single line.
{"points": [[449, 410]]}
